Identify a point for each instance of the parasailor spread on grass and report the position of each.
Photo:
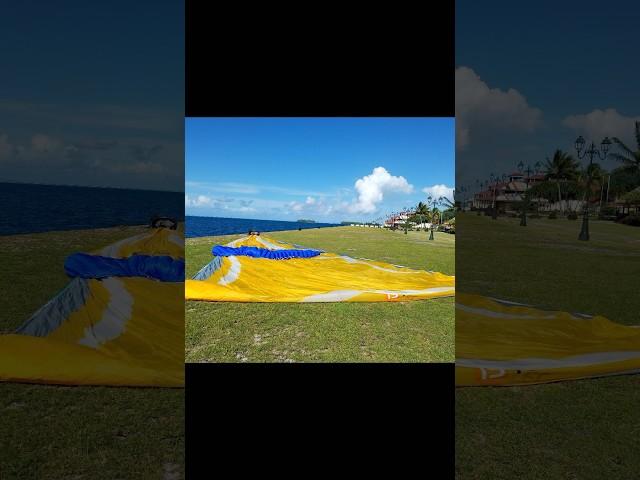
(116, 323)
(307, 277)
(503, 343)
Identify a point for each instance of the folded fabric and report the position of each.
(253, 269)
(222, 251)
(162, 267)
(505, 343)
(113, 324)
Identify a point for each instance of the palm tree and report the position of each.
(448, 204)
(422, 209)
(630, 159)
(592, 173)
(436, 215)
(561, 167)
(420, 212)
(449, 210)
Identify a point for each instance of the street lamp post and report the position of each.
(432, 203)
(525, 199)
(406, 220)
(494, 212)
(590, 152)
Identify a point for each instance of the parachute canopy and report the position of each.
(504, 343)
(120, 320)
(259, 269)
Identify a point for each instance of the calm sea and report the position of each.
(30, 208)
(206, 226)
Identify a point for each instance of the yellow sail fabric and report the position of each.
(324, 278)
(126, 331)
(502, 343)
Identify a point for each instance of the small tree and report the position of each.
(561, 168)
(434, 205)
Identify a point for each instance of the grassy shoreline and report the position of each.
(421, 331)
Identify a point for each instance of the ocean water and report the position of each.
(207, 226)
(30, 208)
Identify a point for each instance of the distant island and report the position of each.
(304, 220)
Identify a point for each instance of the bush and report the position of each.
(553, 216)
(535, 215)
(631, 220)
(608, 211)
(572, 216)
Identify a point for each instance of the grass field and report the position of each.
(587, 429)
(77, 432)
(420, 331)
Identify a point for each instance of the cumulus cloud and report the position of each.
(440, 190)
(226, 204)
(311, 206)
(372, 188)
(198, 201)
(598, 124)
(296, 206)
(138, 162)
(477, 104)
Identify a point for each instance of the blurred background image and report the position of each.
(547, 179)
(91, 188)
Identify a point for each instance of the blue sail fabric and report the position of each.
(159, 267)
(222, 251)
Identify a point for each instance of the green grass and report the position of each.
(77, 432)
(420, 331)
(588, 429)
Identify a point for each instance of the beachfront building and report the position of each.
(366, 225)
(509, 194)
(628, 204)
(397, 219)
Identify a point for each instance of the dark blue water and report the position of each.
(207, 226)
(26, 208)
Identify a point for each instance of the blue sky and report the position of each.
(326, 169)
(532, 77)
(93, 93)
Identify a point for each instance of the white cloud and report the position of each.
(598, 124)
(371, 189)
(250, 189)
(296, 207)
(223, 204)
(136, 162)
(311, 206)
(477, 104)
(437, 191)
(198, 201)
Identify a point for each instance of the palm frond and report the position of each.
(622, 158)
(623, 146)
